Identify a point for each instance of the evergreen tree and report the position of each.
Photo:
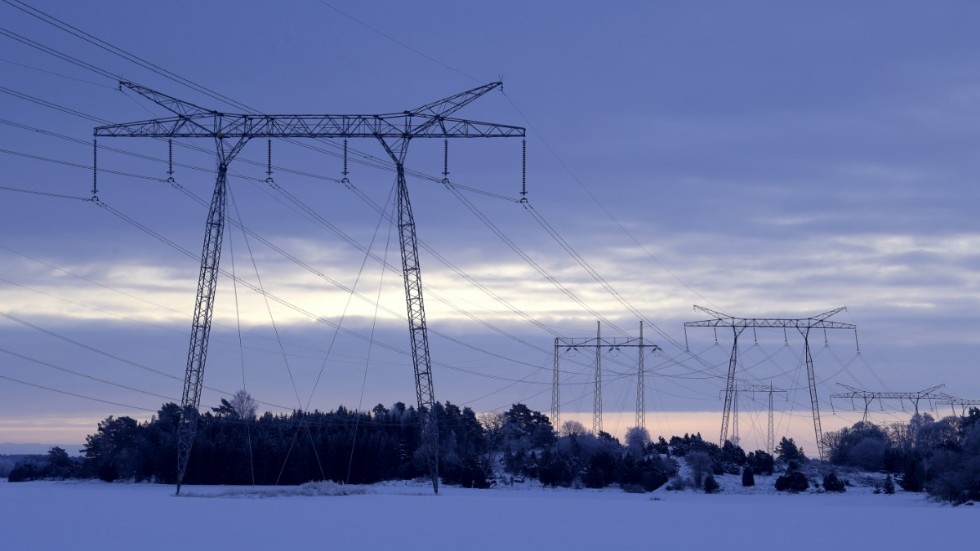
(787, 450)
(832, 483)
(711, 485)
(748, 476)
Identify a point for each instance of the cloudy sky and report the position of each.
(769, 159)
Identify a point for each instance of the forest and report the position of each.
(233, 446)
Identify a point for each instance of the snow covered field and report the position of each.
(143, 517)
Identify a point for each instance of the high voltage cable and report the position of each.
(75, 394)
(427, 177)
(274, 247)
(56, 53)
(43, 102)
(95, 41)
(128, 295)
(83, 375)
(268, 307)
(377, 307)
(330, 226)
(290, 305)
(513, 246)
(112, 356)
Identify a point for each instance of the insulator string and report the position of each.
(95, 169)
(523, 171)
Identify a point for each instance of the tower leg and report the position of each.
(771, 434)
(640, 384)
(417, 328)
(555, 391)
(814, 404)
(730, 386)
(597, 396)
(201, 326)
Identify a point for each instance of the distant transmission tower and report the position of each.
(803, 325)
(953, 401)
(756, 389)
(598, 343)
(870, 396)
(231, 132)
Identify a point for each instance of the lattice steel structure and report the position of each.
(868, 397)
(756, 389)
(231, 132)
(953, 401)
(598, 343)
(803, 325)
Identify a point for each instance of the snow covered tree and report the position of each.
(637, 439)
(700, 463)
(572, 428)
(244, 405)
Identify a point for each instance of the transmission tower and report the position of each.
(756, 389)
(870, 396)
(953, 401)
(598, 343)
(738, 325)
(231, 132)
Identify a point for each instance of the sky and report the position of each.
(764, 159)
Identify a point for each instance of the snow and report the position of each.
(144, 517)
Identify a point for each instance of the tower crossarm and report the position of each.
(815, 322)
(429, 121)
(392, 126)
(877, 395)
(176, 106)
(606, 342)
(947, 399)
(447, 106)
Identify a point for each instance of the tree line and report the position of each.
(234, 446)
(940, 456)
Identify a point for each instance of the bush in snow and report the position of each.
(748, 477)
(833, 484)
(889, 485)
(711, 485)
(792, 481)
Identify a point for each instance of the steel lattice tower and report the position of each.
(803, 325)
(231, 132)
(953, 401)
(610, 343)
(755, 389)
(870, 396)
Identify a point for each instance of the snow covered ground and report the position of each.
(143, 517)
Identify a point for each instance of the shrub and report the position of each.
(24, 472)
(889, 485)
(793, 481)
(711, 485)
(701, 465)
(748, 477)
(913, 480)
(761, 462)
(678, 484)
(833, 484)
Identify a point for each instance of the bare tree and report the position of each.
(493, 427)
(700, 464)
(572, 428)
(244, 405)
